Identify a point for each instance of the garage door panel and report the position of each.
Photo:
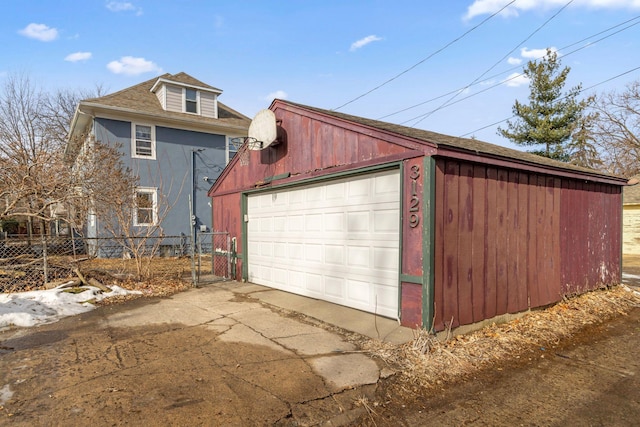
(337, 241)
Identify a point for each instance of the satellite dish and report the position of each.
(263, 129)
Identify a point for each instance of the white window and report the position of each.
(191, 101)
(143, 141)
(146, 207)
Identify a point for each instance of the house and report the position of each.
(174, 134)
(631, 220)
(430, 229)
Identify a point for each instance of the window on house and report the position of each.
(143, 141)
(190, 101)
(146, 206)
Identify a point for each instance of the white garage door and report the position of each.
(337, 241)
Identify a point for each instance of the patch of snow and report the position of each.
(5, 394)
(630, 276)
(47, 306)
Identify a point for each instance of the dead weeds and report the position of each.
(431, 360)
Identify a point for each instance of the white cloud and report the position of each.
(78, 56)
(514, 61)
(40, 32)
(122, 6)
(516, 80)
(363, 42)
(535, 53)
(131, 66)
(487, 7)
(279, 94)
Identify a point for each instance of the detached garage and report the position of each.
(410, 224)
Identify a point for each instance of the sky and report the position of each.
(446, 66)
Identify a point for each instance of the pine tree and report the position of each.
(551, 118)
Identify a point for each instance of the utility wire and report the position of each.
(425, 59)
(424, 116)
(559, 99)
(518, 67)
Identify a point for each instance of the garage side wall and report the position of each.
(507, 241)
(591, 229)
(497, 246)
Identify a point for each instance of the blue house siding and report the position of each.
(186, 163)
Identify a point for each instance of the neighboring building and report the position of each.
(175, 135)
(631, 220)
(415, 225)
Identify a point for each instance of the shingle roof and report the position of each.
(139, 98)
(457, 143)
(631, 194)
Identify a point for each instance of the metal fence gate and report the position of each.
(213, 258)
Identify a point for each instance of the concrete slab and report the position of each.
(168, 311)
(316, 344)
(242, 333)
(346, 371)
(272, 325)
(367, 324)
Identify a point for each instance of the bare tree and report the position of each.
(34, 179)
(617, 130)
(33, 176)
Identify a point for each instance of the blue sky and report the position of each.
(330, 53)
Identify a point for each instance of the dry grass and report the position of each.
(428, 360)
(167, 276)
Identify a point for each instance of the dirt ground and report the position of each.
(589, 380)
(76, 373)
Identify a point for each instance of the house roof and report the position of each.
(631, 194)
(139, 101)
(457, 143)
(139, 98)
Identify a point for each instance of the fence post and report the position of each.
(44, 259)
(228, 256)
(193, 244)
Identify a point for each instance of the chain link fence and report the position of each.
(214, 257)
(32, 262)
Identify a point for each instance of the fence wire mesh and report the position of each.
(32, 262)
(214, 257)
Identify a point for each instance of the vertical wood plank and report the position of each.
(479, 246)
(465, 242)
(523, 224)
(439, 281)
(512, 241)
(555, 230)
(502, 250)
(541, 243)
(533, 292)
(490, 295)
(450, 294)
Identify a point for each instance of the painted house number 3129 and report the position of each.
(414, 202)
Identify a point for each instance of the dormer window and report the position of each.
(189, 98)
(191, 101)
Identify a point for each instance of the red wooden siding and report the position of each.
(508, 240)
(412, 241)
(591, 225)
(311, 145)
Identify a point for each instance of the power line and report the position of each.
(518, 67)
(559, 99)
(424, 116)
(425, 59)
